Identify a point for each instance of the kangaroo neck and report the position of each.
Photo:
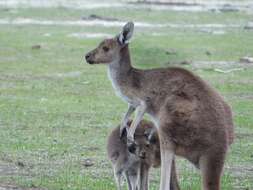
(120, 74)
(123, 64)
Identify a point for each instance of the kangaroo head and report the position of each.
(108, 50)
(147, 145)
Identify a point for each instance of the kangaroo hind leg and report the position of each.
(167, 156)
(211, 167)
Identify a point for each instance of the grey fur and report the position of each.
(192, 118)
(134, 166)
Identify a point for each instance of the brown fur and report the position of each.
(193, 120)
(136, 165)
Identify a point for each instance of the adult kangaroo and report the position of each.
(192, 119)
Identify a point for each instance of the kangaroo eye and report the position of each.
(106, 49)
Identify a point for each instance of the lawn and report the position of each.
(56, 111)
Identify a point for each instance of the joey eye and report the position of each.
(106, 49)
(147, 145)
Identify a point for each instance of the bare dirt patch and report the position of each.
(245, 135)
(184, 5)
(97, 17)
(13, 187)
(77, 4)
(195, 6)
(241, 171)
(28, 77)
(222, 65)
(8, 169)
(90, 35)
(11, 169)
(106, 23)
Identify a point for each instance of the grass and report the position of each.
(56, 111)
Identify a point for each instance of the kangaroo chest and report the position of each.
(120, 84)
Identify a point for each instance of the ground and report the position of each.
(56, 111)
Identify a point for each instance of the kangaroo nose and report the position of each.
(89, 58)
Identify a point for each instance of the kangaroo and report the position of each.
(192, 119)
(135, 165)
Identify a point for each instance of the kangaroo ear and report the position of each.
(126, 34)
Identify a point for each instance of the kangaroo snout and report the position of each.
(88, 58)
(142, 155)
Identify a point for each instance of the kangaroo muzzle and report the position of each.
(89, 57)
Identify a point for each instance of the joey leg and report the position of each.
(143, 177)
(129, 183)
(118, 179)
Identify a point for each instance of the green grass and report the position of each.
(51, 120)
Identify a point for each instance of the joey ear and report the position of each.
(124, 133)
(126, 34)
(123, 136)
